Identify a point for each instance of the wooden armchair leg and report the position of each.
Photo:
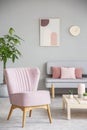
(49, 113)
(30, 113)
(10, 112)
(24, 117)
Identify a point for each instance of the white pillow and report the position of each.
(67, 73)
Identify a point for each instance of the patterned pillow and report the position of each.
(68, 73)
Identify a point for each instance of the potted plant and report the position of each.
(9, 48)
(71, 94)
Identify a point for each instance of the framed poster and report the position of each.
(50, 32)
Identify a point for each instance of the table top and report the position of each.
(75, 100)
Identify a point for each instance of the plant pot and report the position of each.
(3, 90)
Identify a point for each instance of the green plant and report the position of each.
(8, 48)
(84, 94)
(70, 91)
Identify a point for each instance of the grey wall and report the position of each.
(24, 15)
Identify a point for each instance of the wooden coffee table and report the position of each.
(75, 103)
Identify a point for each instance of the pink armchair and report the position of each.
(22, 86)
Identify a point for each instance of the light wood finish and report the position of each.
(49, 113)
(30, 113)
(24, 116)
(63, 103)
(29, 109)
(73, 104)
(53, 90)
(68, 112)
(11, 109)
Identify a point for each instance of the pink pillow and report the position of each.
(68, 73)
(56, 72)
(78, 73)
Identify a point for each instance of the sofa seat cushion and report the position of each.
(51, 80)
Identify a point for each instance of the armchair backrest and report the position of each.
(22, 79)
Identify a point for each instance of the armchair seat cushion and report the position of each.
(31, 98)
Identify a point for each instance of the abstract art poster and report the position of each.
(50, 32)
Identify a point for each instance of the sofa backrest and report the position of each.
(74, 63)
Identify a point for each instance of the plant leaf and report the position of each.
(11, 31)
(2, 40)
(18, 37)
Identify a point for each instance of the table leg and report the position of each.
(63, 103)
(68, 112)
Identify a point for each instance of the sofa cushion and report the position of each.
(78, 73)
(56, 72)
(67, 73)
(51, 80)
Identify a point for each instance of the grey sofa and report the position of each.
(65, 83)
